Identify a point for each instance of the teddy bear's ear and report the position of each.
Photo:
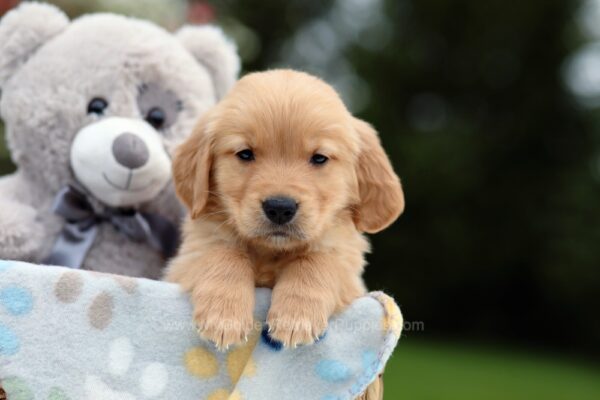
(209, 45)
(23, 30)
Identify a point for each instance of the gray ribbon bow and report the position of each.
(81, 228)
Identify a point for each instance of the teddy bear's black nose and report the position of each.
(280, 210)
(130, 151)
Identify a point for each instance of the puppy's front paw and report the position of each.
(223, 320)
(297, 322)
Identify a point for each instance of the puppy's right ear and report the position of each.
(191, 168)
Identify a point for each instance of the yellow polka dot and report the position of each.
(201, 363)
(219, 394)
(392, 320)
(239, 360)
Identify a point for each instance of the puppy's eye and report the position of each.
(318, 159)
(97, 106)
(245, 155)
(156, 117)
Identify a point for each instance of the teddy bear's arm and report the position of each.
(21, 232)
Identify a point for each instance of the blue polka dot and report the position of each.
(275, 345)
(4, 265)
(16, 300)
(333, 371)
(9, 343)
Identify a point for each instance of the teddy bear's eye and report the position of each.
(97, 106)
(156, 117)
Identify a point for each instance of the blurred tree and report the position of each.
(6, 5)
(200, 12)
(169, 13)
(501, 230)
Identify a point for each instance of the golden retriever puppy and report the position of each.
(281, 182)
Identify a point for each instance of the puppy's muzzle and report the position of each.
(280, 210)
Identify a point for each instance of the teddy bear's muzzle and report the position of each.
(121, 161)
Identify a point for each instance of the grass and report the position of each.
(421, 371)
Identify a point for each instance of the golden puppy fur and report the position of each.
(279, 120)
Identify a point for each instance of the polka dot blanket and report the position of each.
(67, 334)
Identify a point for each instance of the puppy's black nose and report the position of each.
(130, 151)
(280, 210)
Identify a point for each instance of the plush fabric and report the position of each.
(50, 71)
(67, 334)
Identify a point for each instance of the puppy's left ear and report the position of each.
(380, 192)
(191, 169)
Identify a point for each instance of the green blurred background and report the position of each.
(489, 112)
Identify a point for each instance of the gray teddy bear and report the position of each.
(93, 108)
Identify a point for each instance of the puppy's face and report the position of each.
(284, 165)
(283, 159)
